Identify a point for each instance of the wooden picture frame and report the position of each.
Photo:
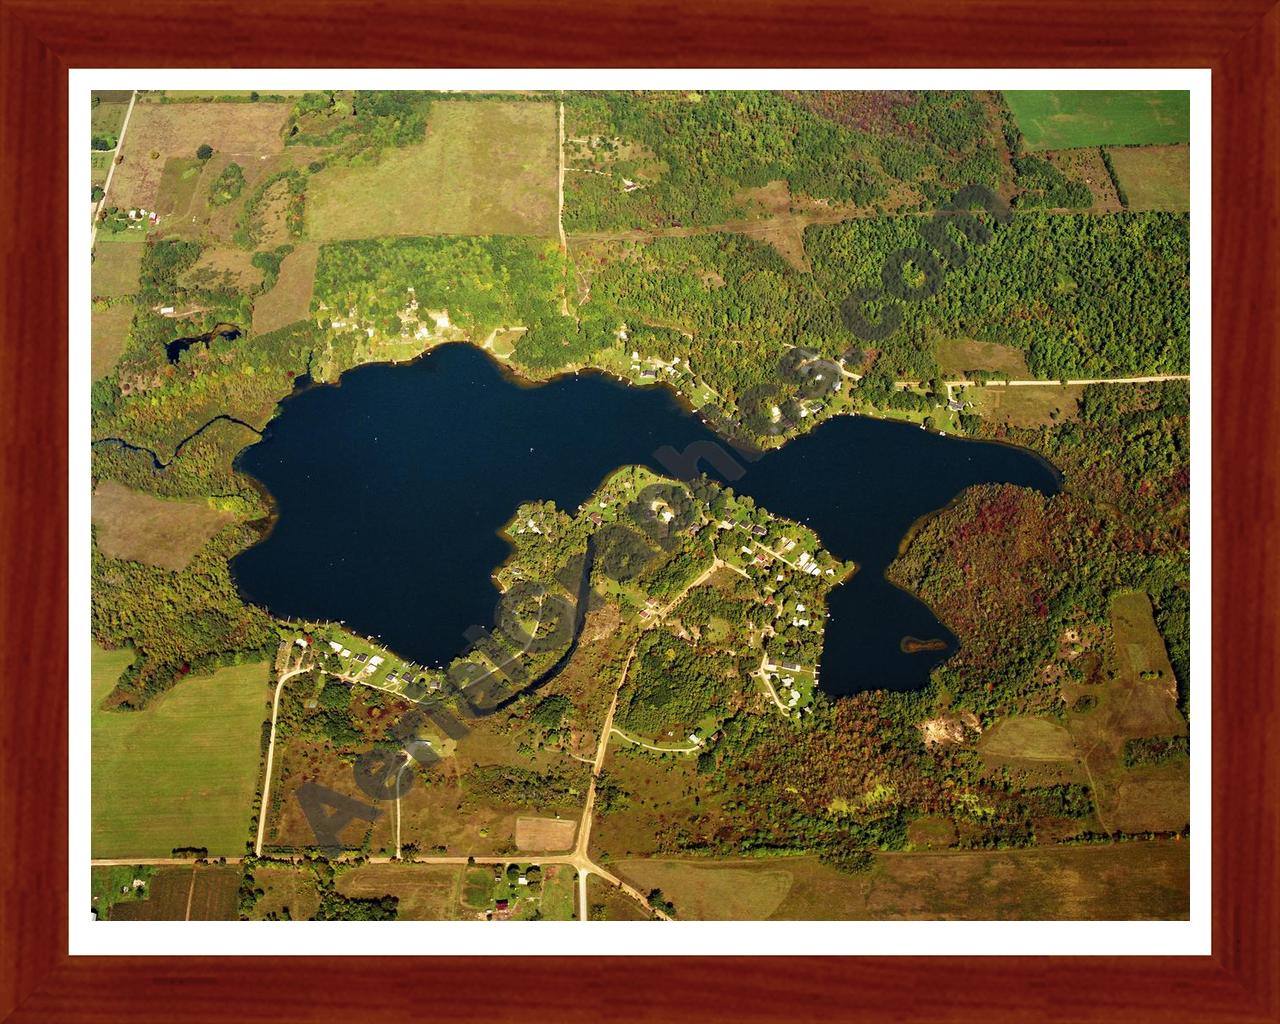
(41, 39)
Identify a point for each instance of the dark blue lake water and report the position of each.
(390, 489)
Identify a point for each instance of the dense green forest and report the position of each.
(1083, 296)
(690, 156)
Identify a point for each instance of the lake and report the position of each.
(391, 487)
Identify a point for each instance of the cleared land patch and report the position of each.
(287, 892)
(178, 182)
(427, 892)
(289, 299)
(223, 268)
(178, 130)
(181, 773)
(115, 269)
(1086, 165)
(1039, 405)
(1120, 881)
(1139, 700)
(1034, 739)
(1154, 177)
(108, 335)
(545, 834)
(485, 168)
(960, 355)
(713, 892)
(1067, 119)
(156, 531)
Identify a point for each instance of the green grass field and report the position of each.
(485, 168)
(1154, 177)
(181, 773)
(1067, 119)
(108, 336)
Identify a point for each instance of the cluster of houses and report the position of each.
(144, 215)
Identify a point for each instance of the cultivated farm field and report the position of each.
(181, 773)
(1067, 119)
(485, 168)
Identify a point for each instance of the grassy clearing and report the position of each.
(1041, 405)
(221, 267)
(485, 168)
(1086, 165)
(427, 892)
(250, 130)
(713, 892)
(1154, 177)
(181, 773)
(1035, 739)
(289, 299)
(445, 812)
(115, 269)
(1067, 119)
(1138, 699)
(957, 356)
(99, 165)
(1122, 881)
(107, 117)
(607, 903)
(140, 527)
(559, 893)
(108, 336)
(178, 183)
(288, 893)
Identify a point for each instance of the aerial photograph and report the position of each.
(639, 506)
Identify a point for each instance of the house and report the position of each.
(693, 738)
(166, 310)
(376, 660)
(500, 905)
(759, 531)
(648, 374)
(362, 657)
(955, 405)
(335, 646)
(345, 653)
(596, 518)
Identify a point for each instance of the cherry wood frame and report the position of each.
(41, 39)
